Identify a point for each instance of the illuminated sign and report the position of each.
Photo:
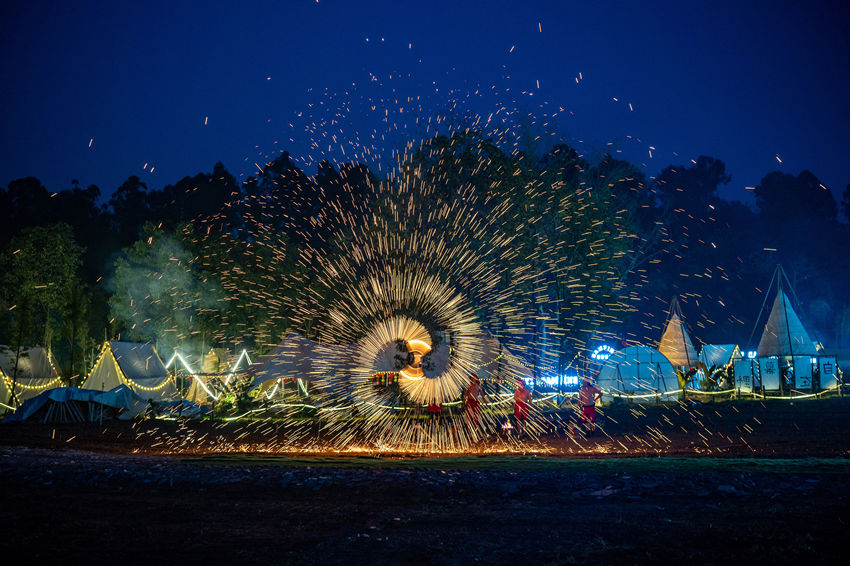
(565, 380)
(602, 353)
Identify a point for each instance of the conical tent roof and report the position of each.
(676, 344)
(36, 371)
(784, 334)
(134, 364)
(199, 391)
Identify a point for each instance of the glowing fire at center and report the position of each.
(428, 372)
(416, 350)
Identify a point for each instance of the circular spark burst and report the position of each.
(465, 257)
(410, 292)
(435, 352)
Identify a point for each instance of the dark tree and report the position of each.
(40, 289)
(25, 203)
(693, 187)
(130, 210)
(193, 198)
(782, 197)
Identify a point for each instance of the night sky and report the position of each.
(98, 91)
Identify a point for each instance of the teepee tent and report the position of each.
(200, 391)
(784, 334)
(136, 365)
(638, 372)
(675, 343)
(36, 372)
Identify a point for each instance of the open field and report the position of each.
(717, 483)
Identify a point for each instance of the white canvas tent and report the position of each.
(36, 373)
(136, 365)
(719, 355)
(5, 396)
(641, 373)
(676, 344)
(296, 357)
(784, 334)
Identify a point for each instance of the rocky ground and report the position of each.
(714, 484)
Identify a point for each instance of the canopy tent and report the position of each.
(784, 334)
(719, 355)
(219, 371)
(136, 365)
(219, 368)
(296, 357)
(497, 362)
(36, 373)
(70, 404)
(675, 343)
(638, 372)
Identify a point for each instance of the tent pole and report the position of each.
(763, 303)
(787, 325)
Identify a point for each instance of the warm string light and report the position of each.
(19, 384)
(107, 349)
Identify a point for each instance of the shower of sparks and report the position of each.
(503, 265)
(429, 256)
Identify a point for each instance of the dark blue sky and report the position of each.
(741, 81)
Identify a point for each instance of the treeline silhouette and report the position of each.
(62, 248)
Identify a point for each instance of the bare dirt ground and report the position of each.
(713, 484)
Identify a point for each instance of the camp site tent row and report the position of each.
(136, 365)
(787, 358)
(35, 373)
(638, 372)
